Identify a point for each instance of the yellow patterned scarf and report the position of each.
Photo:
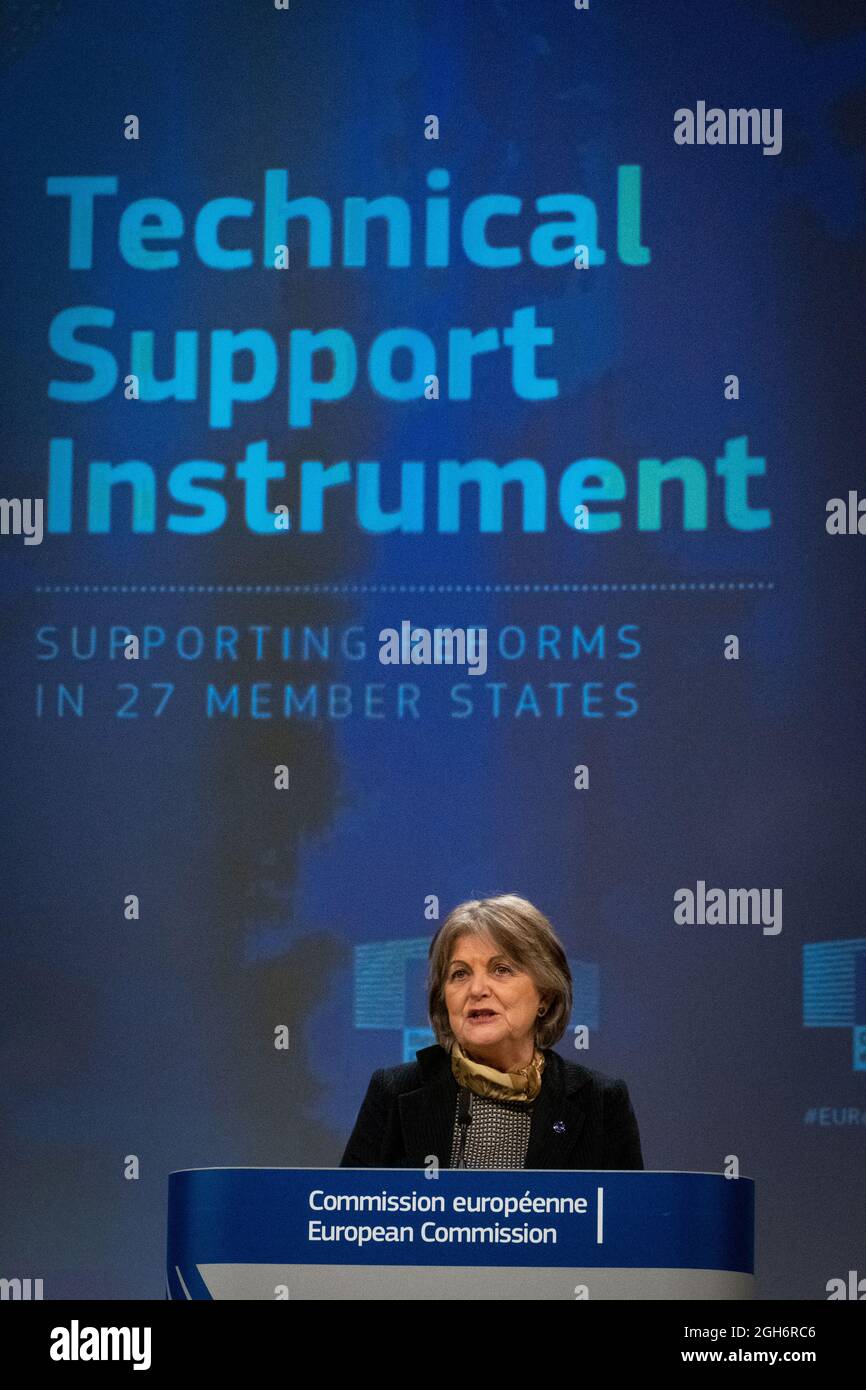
(497, 1085)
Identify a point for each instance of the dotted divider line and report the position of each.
(725, 586)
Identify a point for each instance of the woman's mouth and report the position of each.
(480, 1015)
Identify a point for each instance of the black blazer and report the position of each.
(580, 1118)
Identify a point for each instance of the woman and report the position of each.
(492, 1093)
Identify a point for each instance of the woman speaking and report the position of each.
(491, 1093)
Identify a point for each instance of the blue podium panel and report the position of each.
(382, 1233)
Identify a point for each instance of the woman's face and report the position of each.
(492, 1003)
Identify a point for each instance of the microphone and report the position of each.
(464, 1120)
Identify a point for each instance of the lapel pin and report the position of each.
(559, 1127)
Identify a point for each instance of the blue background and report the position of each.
(155, 1038)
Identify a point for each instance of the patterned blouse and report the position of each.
(498, 1136)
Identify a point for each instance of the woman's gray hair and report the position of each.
(526, 937)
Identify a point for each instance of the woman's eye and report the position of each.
(506, 968)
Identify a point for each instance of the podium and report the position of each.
(397, 1233)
